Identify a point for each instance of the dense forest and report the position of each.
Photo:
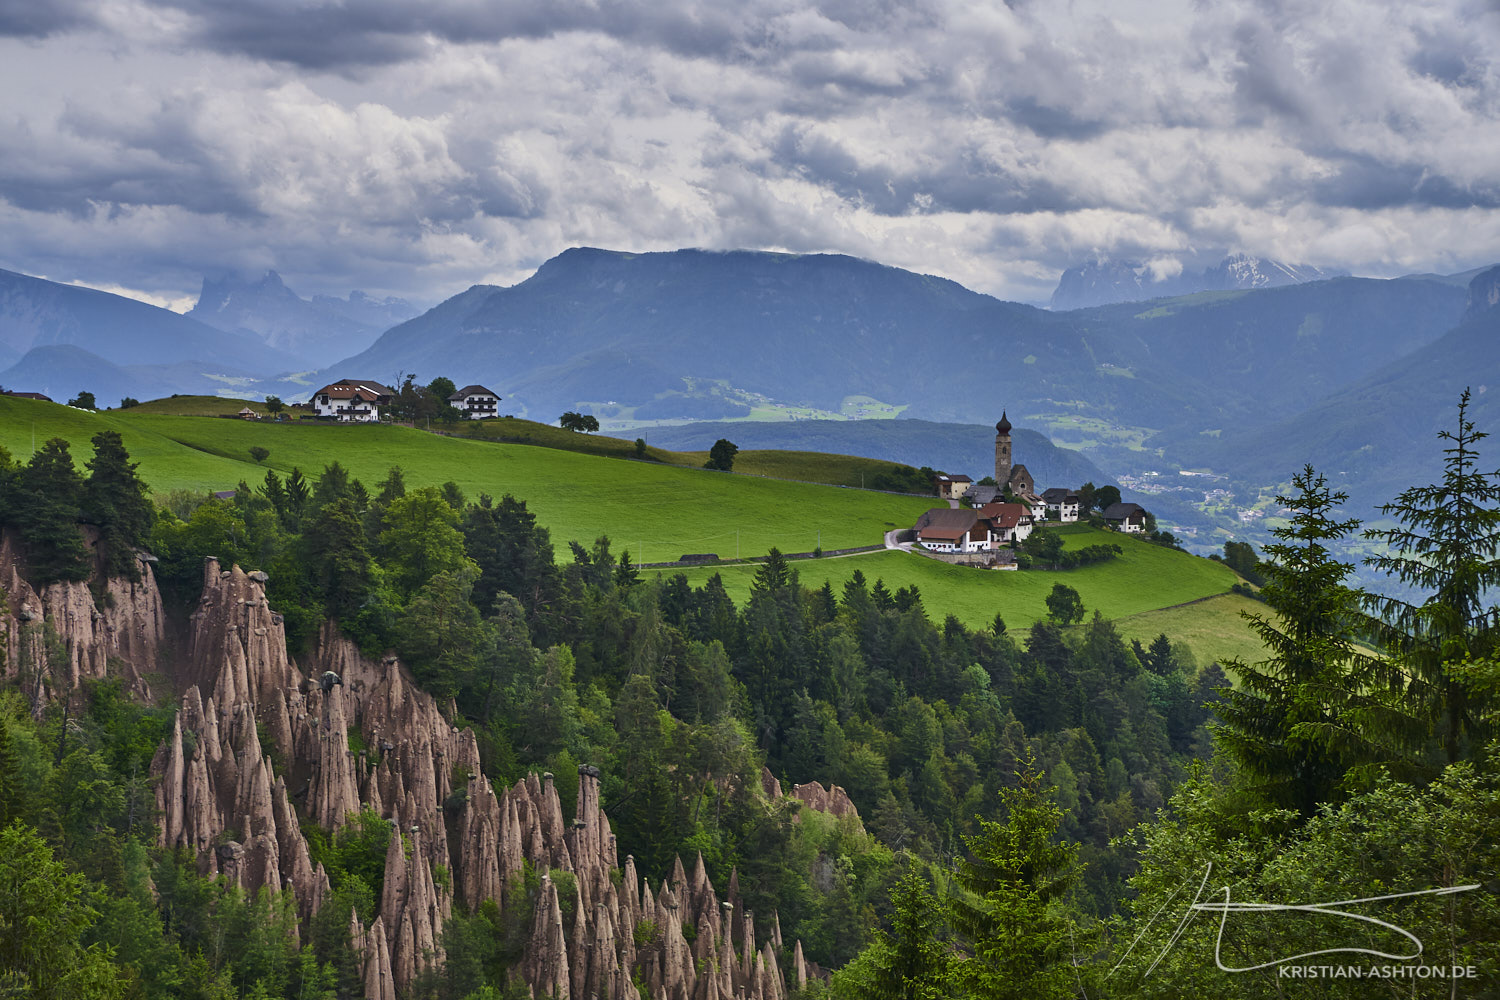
(1037, 815)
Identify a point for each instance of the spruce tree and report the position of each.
(1282, 725)
(117, 501)
(1445, 546)
(1010, 909)
(47, 506)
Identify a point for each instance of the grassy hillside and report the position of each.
(1145, 578)
(658, 512)
(199, 406)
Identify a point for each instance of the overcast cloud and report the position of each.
(417, 148)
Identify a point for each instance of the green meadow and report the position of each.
(1144, 579)
(658, 512)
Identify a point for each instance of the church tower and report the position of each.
(1002, 451)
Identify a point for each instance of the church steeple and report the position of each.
(1002, 451)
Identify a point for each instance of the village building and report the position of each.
(475, 402)
(951, 487)
(1127, 517)
(1062, 504)
(247, 414)
(1008, 522)
(953, 529)
(352, 400)
(26, 395)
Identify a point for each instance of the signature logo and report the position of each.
(1227, 905)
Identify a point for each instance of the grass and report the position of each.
(1144, 579)
(1213, 628)
(200, 406)
(660, 512)
(657, 512)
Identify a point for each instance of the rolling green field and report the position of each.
(1144, 579)
(660, 512)
(1213, 628)
(657, 512)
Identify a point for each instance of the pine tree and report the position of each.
(118, 502)
(1282, 725)
(1446, 546)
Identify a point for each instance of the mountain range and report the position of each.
(317, 331)
(1102, 281)
(1357, 374)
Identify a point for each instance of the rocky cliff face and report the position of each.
(1484, 293)
(121, 634)
(220, 794)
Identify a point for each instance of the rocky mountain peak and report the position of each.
(1484, 293)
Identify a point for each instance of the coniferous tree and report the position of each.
(1019, 940)
(1445, 545)
(47, 502)
(339, 559)
(1282, 724)
(118, 502)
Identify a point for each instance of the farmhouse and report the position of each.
(474, 402)
(1008, 522)
(1062, 504)
(953, 529)
(26, 395)
(1127, 517)
(352, 400)
(951, 487)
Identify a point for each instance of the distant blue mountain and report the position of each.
(317, 331)
(71, 338)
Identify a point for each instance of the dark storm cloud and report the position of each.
(466, 140)
(1366, 183)
(30, 19)
(388, 31)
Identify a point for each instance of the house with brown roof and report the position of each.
(950, 529)
(475, 402)
(26, 395)
(352, 400)
(1008, 522)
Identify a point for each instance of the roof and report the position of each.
(961, 479)
(1004, 515)
(1003, 427)
(27, 395)
(952, 534)
(1120, 511)
(1020, 470)
(473, 390)
(982, 495)
(954, 518)
(338, 390)
(368, 383)
(1058, 494)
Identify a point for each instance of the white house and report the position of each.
(1008, 522)
(946, 529)
(1062, 504)
(352, 400)
(475, 402)
(1127, 517)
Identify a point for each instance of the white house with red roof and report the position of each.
(352, 400)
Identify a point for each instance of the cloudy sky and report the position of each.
(415, 148)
